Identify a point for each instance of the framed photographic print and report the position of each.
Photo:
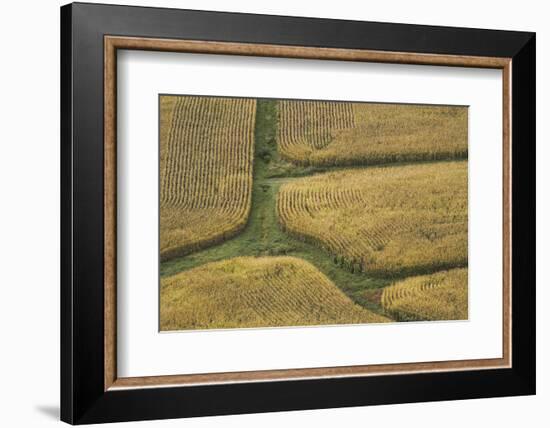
(265, 213)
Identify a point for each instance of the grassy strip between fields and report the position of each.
(262, 235)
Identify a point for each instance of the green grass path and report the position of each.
(262, 235)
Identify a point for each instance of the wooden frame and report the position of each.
(112, 43)
(513, 53)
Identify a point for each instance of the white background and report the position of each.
(142, 351)
(29, 219)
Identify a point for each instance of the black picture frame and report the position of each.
(83, 398)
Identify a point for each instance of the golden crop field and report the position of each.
(256, 292)
(279, 213)
(324, 133)
(206, 159)
(440, 296)
(385, 221)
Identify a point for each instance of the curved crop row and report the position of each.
(256, 292)
(389, 221)
(206, 155)
(307, 126)
(324, 133)
(440, 296)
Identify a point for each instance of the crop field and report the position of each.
(440, 296)
(206, 153)
(390, 221)
(325, 133)
(256, 292)
(296, 213)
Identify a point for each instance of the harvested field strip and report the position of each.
(206, 171)
(440, 296)
(256, 292)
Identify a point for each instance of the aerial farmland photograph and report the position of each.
(293, 213)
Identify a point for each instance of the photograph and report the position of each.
(294, 213)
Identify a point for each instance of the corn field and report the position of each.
(256, 292)
(389, 221)
(323, 133)
(294, 213)
(440, 296)
(206, 158)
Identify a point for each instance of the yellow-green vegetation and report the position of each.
(274, 213)
(256, 292)
(206, 153)
(385, 221)
(324, 133)
(440, 296)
